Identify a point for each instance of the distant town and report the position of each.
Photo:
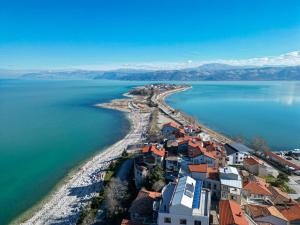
(181, 172)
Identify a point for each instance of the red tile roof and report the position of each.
(257, 188)
(171, 124)
(153, 148)
(186, 139)
(265, 210)
(143, 203)
(283, 160)
(209, 154)
(194, 144)
(198, 168)
(252, 161)
(277, 192)
(291, 213)
(130, 222)
(230, 212)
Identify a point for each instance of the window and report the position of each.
(197, 222)
(167, 220)
(182, 221)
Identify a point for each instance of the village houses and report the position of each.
(199, 170)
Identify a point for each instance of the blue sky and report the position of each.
(62, 34)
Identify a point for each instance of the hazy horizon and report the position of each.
(102, 35)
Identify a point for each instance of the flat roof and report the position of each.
(231, 183)
(228, 170)
(237, 147)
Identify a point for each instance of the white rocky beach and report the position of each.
(64, 205)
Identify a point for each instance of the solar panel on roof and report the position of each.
(197, 195)
(190, 187)
(188, 193)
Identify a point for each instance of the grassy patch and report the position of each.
(270, 179)
(108, 175)
(280, 182)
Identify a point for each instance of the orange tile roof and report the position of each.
(198, 168)
(277, 192)
(265, 210)
(171, 124)
(194, 144)
(130, 222)
(145, 149)
(143, 203)
(251, 161)
(230, 212)
(257, 188)
(283, 160)
(181, 130)
(209, 154)
(186, 139)
(153, 148)
(160, 152)
(291, 213)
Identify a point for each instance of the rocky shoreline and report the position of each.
(64, 205)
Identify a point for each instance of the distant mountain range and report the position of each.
(206, 72)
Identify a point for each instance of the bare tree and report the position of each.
(115, 194)
(239, 139)
(259, 144)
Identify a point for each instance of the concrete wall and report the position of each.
(139, 176)
(175, 219)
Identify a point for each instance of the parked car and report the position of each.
(297, 172)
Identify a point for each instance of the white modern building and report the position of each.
(184, 203)
(204, 137)
(236, 153)
(231, 183)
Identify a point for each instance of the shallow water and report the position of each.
(47, 128)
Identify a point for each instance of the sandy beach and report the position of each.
(64, 205)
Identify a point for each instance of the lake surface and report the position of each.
(267, 109)
(48, 128)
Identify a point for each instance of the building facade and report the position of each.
(184, 203)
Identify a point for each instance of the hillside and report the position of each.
(208, 72)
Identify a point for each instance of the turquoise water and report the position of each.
(47, 128)
(267, 109)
